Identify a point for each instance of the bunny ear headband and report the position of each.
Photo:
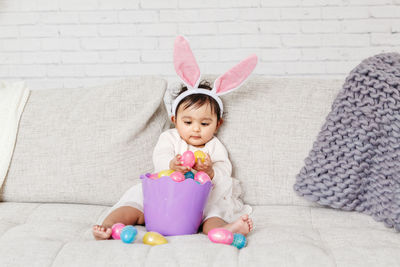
(188, 71)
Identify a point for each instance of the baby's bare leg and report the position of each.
(125, 214)
(213, 222)
(243, 225)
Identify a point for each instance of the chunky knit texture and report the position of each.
(355, 162)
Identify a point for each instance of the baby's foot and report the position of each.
(101, 233)
(243, 225)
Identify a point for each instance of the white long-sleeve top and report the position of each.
(224, 200)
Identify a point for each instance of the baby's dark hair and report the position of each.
(198, 100)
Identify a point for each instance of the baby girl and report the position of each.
(197, 114)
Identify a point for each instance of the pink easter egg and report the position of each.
(153, 176)
(188, 159)
(177, 176)
(220, 235)
(116, 230)
(202, 177)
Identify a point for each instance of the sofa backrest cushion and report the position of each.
(86, 145)
(270, 125)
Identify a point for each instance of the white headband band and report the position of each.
(197, 91)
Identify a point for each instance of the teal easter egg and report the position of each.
(189, 175)
(239, 241)
(128, 234)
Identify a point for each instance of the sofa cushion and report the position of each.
(269, 128)
(86, 145)
(60, 235)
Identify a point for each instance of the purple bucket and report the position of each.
(173, 208)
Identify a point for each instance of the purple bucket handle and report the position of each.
(173, 208)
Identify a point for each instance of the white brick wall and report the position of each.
(69, 43)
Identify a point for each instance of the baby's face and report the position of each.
(196, 125)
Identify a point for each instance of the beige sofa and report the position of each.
(78, 150)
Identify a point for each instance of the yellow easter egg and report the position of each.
(165, 173)
(200, 155)
(154, 238)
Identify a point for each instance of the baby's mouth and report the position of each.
(196, 137)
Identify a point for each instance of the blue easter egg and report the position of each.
(128, 234)
(189, 175)
(239, 241)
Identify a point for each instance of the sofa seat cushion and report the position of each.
(33, 234)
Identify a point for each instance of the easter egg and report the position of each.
(202, 177)
(154, 238)
(128, 234)
(189, 175)
(177, 176)
(239, 241)
(153, 176)
(199, 155)
(188, 159)
(116, 230)
(220, 235)
(165, 173)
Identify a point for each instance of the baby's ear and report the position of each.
(173, 119)
(219, 123)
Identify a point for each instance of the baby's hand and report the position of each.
(206, 166)
(176, 165)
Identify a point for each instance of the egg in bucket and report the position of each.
(173, 207)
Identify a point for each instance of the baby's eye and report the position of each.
(205, 124)
(188, 122)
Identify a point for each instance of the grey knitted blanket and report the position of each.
(355, 162)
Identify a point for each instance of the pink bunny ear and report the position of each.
(185, 63)
(235, 77)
